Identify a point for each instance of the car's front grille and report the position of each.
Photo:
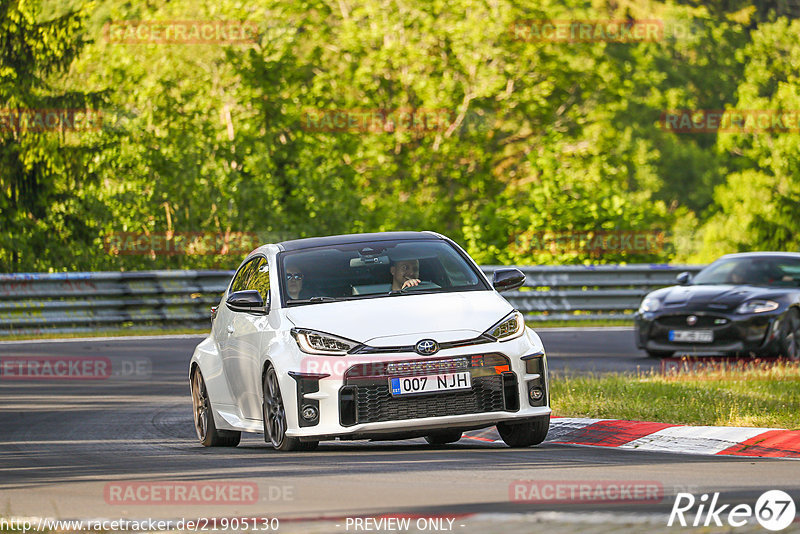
(376, 403)
(368, 399)
(703, 321)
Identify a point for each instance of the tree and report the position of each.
(44, 152)
(759, 204)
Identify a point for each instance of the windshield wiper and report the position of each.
(409, 291)
(315, 300)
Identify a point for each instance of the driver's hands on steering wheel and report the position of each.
(410, 282)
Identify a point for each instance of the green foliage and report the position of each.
(759, 204)
(40, 166)
(532, 139)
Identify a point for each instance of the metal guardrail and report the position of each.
(589, 292)
(37, 303)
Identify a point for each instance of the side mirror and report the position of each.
(684, 278)
(507, 279)
(248, 301)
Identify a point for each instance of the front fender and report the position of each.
(282, 354)
(208, 359)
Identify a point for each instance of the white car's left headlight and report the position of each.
(757, 306)
(313, 342)
(510, 327)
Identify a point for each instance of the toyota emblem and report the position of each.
(427, 347)
(691, 320)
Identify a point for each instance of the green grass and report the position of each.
(108, 333)
(760, 395)
(539, 325)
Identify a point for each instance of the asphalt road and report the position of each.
(65, 447)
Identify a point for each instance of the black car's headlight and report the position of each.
(313, 342)
(649, 304)
(757, 306)
(512, 326)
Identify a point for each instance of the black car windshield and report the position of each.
(371, 269)
(755, 271)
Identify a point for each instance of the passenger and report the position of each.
(294, 282)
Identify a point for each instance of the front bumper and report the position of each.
(732, 332)
(352, 399)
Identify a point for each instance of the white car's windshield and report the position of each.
(370, 269)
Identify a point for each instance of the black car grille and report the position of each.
(703, 321)
(367, 399)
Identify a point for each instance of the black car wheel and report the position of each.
(274, 414)
(204, 425)
(524, 434)
(789, 340)
(443, 437)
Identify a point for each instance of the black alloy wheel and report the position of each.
(274, 413)
(204, 425)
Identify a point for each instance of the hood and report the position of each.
(387, 321)
(722, 297)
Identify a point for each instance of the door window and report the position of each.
(260, 279)
(246, 273)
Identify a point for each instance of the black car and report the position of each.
(741, 304)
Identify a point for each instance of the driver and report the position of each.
(743, 274)
(405, 273)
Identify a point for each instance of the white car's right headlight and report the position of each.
(649, 304)
(313, 342)
(511, 326)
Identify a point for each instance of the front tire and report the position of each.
(204, 425)
(524, 434)
(274, 415)
(789, 341)
(443, 437)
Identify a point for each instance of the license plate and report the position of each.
(691, 336)
(428, 383)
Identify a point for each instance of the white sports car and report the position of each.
(372, 336)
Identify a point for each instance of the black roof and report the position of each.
(794, 255)
(312, 242)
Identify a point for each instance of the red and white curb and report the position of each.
(662, 437)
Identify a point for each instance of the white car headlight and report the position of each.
(510, 327)
(649, 304)
(313, 342)
(757, 306)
